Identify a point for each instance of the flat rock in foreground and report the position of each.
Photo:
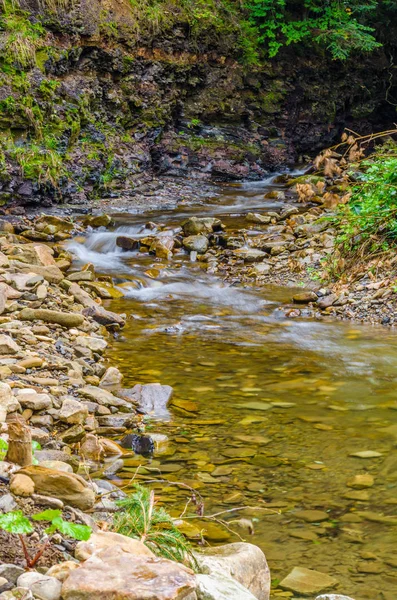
(307, 582)
(112, 574)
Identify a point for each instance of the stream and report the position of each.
(267, 412)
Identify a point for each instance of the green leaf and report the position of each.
(47, 515)
(73, 530)
(35, 446)
(15, 522)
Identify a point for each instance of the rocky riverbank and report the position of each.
(59, 402)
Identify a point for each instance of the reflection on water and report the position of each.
(266, 413)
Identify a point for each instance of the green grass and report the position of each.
(139, 518)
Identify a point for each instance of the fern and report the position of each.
(142, 520)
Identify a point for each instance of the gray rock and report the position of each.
(152, 398)
(43, 587)
(16, 594)
(8, 346)
(196, 243)
(73, 411)
(7, 503)
(11, 572)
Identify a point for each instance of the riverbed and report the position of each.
(280, 415)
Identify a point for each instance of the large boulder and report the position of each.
(105, 540)
(245, 563)
(103, 316)
(68, 487)
(152, 398)
(112, 574)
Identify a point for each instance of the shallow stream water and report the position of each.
(267, 412)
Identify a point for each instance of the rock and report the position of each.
(73, 435)
(91, 449)
(127, 243)
(257, 218)
(21, 485)
(245, 563)
(98, 220)
(140, 444)
(11, 572)
(196, 243)
(218, 587)
(92, 343)
(361, 481)
(153, 398)
(42, 455)
(249, 255)
(104, 317)
(52, 274)
(307, 582)
(52, 316)
(72, 411)
(7, 503)
(366, 454)
(58, 465)
(114, 574)
(68, 487)
(305, 297)
(8, 402)
(8, 346)
(312, 516)
(327, 301)
(111, 377)
(62, 570)
(42, 586)
(196, 225)
(29, 398)
(17, 593)
(333, 597)
(101, 396)
(104, 540)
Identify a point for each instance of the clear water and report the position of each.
(266, 412)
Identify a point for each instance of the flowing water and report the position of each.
(267, 412)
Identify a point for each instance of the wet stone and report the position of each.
(307, 582)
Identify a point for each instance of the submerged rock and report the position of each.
(152, 398)
(307, 582)
(140, 444)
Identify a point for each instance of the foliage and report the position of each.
(22, 36)
(16, 523)
(142, 520)
(368, 222)
(336, 24)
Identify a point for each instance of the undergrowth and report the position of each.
(367, 223)
(141, 519)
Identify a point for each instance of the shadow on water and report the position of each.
(267, 412)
